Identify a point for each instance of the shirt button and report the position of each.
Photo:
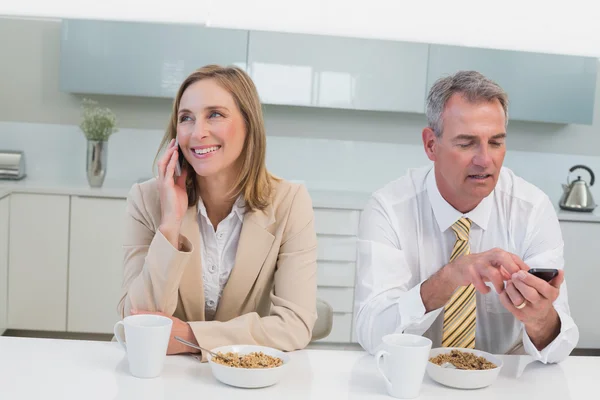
(210, 303)
(220, 235)
(212, 268)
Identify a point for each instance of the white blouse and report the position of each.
(218, 251)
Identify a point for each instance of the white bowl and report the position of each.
(249, 377)
(460, 378)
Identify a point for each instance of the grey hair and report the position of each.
(475, 88)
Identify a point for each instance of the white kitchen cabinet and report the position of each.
(541, 87)
(38, 260)
(141, 58)
(336, 248)
(335, 274)
(338, 72)
(336, 222)
(4, 207)
(95, 263)
(582, 274)
(341, 330)
(336, 235)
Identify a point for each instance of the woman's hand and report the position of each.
(179, 328)
(173, 195)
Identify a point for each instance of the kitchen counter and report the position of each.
(322, 198)
(69, 369)
(114, 189)
(341, 199)
(564, 215)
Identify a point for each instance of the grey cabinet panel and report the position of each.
(141, 59)
(541, 87)
(338, 72)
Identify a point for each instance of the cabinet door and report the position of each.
(95, 263)
(139, 58)
(4, 203)
(541, 87)
(582, 274)
(38, 259)
(338, 72)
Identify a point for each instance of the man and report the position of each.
(444, 250)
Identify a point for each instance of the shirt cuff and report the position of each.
(412, 311)
(546, 354)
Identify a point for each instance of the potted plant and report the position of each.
(97, 125)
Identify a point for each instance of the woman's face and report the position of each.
(210, 129)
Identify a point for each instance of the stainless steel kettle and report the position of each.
(576, 195)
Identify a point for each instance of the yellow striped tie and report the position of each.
(459, 312)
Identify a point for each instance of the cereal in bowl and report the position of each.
(463, 360)
(250, 360)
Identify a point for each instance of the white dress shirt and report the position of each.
(405, 237)
(218, 251)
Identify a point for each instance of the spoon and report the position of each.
(180, 340)
(448, 365)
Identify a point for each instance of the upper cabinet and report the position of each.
(541, 87)
(338, 72)
(141, 59)
(152, 59)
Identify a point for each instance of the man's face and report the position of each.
(469, 154)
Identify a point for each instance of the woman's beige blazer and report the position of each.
(270, 297)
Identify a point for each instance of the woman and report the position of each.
(226, 250)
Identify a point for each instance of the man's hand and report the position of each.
(179, 328)
(530, 299)
(495, 266)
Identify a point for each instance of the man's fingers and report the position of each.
(479, 285)
(558, 279)
(511, 263)
(507, 303)
(520, 263)
(528, 292)
(542, 287)
(494, 276)
(514, 295)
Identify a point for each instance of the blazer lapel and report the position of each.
(253, 247)
(191, 287)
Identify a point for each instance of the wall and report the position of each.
(338, 148)
(534, 25)
(29, 81)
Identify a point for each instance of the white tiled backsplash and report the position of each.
(59, 151)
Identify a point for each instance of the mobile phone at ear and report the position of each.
(179, 159)
(546, 274)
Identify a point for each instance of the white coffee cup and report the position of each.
(402, 361)
(147, 342)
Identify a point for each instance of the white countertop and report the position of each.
(322, 198)
(344, 199)
(64, 369)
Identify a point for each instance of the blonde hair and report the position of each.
(254, 181)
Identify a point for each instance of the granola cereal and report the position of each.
(463, 360)
(250, 360)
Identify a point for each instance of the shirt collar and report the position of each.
(446, 215)
(239, 207)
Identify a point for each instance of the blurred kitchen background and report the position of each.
(344, 113)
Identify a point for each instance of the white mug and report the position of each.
(147, 342)
(404, 359)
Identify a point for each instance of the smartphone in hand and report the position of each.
(546, 274)
(179, 159)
